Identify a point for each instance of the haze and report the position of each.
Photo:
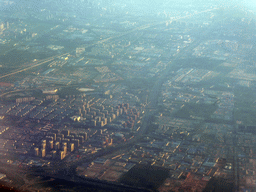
(107, 95)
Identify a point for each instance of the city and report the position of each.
(98, 96)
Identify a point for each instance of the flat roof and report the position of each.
(85, 89)
(2, 176)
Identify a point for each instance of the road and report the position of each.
(152, 97)
(39, 63)
(150, 109)
(32, 66)
(235, 163)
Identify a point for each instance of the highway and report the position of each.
(32, 66)
(57, 169)
(149, 110)
(152, 97)
(39, 63)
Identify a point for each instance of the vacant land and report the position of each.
(245, 106)
(191, 110)
(145, 176)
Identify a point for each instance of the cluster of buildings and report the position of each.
(96, 115)
(245, 152)
(104, 50)
(186, 157)
(15, 142)
(221, 49)
(104, 113)
(193, 75)
(167, 125)
(4, 25)
(242, 74)
(57, 145)
(104, 125)
(107, 77)
(3, 129)
(175, 96)
(36, 111)
(225, 106)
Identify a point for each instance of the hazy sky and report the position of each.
(144, 6)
